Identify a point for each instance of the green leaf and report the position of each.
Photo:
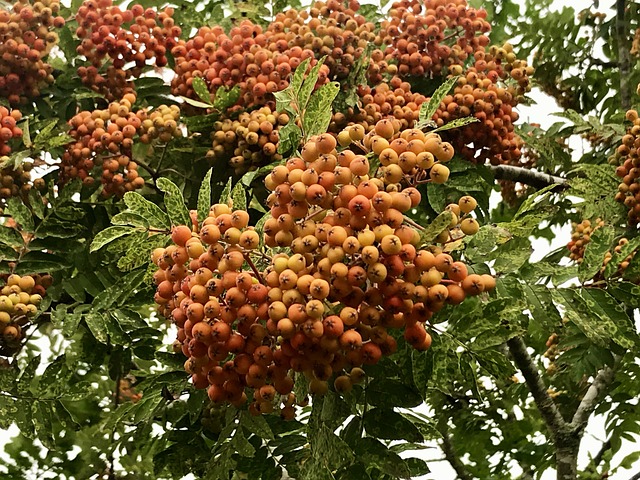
(97, 325)
(108, 235)
(290, 136)
(373, 453)
(131, 219)
(200, 87)
(427, 109)
(317, 116)
(256, 425)
(148, 210)
(226, 98)
(204, 196)
(11, 237)
(511, 255)
(20, 213)
(35, 201)
(457, 123)
(174, 201)
(610, 311)
(618, 257)
(239, 197)
(601, 242)
(436, 227)
(578, 312)
(196, 103)
(303, 95)
(386, 392)
(241, 444)
(225, 196)
(387, 424)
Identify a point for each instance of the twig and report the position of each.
(526, 176)
(623, 54)
(545, 404)
(412, 223)
(590, 400)
(253, 268)
(452, 457)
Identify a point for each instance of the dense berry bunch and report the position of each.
(581, 236)
(14, 182)
(25, 40)
(628, 158)
(116, 37)
(489, 90)
(350, 269)
(425, 38)
(104, 139)
(385, 100)
(249, 140)
(8, 128)
(20, 298)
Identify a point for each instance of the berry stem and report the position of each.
(253, 268)
(411, 222)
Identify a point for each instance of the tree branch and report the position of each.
(525, 175)
(600, 455)
(590, 400)
(452, 457)
(536, 385)
(623, 54)
(636, 476)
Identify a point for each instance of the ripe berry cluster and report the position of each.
(8, 128)
(489, 90)
(424, 38)
(25, 40)
(628, 158)
(14, 182)
(20, 298)
(116, 37)
(580, 238)
(244, 58)
(350, 268)
(249, 140)
(104, 138)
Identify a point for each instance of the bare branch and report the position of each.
(452, 457)
(536, 385)
(526, 176)
(636, 476)
(591, 398)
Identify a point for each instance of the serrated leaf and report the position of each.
(130, 218)
(457, 123)
(200, 87)
(390, 425)
(204, 196)
(290, 136)
(239, 197)
(108, 235)
(436, 227)
(386, 392)
(427, 109)
(601, 242)
(196, 103)
(174, 201)
(256, 425)
(35, 201)
(317, 115)
(96, 323)
(148, 210)
(225, 196)
(20, 213)
(577, 311)
(226, 98)
(241, 444)
(303, 95)
(11, 237)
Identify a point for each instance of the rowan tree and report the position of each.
(295, 241)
